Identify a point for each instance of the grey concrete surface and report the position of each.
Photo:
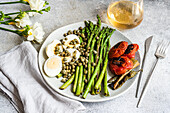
(156, 22)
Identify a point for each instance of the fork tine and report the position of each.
(160, 46)
(164, 47)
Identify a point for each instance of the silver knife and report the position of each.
(147, 45)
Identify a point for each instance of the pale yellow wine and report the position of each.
(124, 14)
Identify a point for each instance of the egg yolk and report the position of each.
(53, 63)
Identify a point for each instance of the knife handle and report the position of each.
(140, 75)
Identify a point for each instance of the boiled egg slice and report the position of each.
(54, 48)
(72, 41)
(53, 66)
(74, 54)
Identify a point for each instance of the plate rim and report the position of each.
(74, 97)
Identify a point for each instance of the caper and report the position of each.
(68, 71)
(61, 40)
(69, 67)
(65, 34)
(79, 34)
(69, 74)
(65, 76)
(67, 63)
(74, 52)
(82, 53)
(82, 35)
(72, 60)
(74, 57)
(68, 47)
(80, 28)
(64, 59)
(86, 54)
(66, 38)
(68, 33)
(73, 66)
(63, 80)
(71, 43)
(73, 70)
(77, 61)
(74, 32)
(85, 71)
(79, 64)
(63, 65)
(63, 71)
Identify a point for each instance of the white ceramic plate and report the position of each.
(55, 83)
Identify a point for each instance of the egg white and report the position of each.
(71, 51)
(51, 48)
(53, 66)
(69, 39)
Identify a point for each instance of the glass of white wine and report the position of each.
(125, 14)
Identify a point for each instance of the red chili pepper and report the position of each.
(131, 50)
(120, 65)
(118, 50)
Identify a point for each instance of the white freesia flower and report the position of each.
(36, 33)
(22, 22)
(35, 5)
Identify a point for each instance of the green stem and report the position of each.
(97, 67)
(90, 55)
(92, 70)
(76, 79)
(46, 10)
(91, 36)
(78, 90)
(20, 12)
(98, 83)
(16, 2)
(65, 85)
(106, 92)
(7, 22)
(13, 31)
(83, 83)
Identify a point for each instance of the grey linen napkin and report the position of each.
(21, 80)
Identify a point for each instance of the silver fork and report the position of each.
(159, 54)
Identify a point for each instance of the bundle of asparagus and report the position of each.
(89, 76)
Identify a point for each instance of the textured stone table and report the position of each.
(156, 22)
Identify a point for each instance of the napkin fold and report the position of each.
(22, 81)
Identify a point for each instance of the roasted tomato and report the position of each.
(118, 50)
(130, 51)
(120, 65)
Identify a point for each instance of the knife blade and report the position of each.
(147, 46)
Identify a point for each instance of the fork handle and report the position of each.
(147, 83)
